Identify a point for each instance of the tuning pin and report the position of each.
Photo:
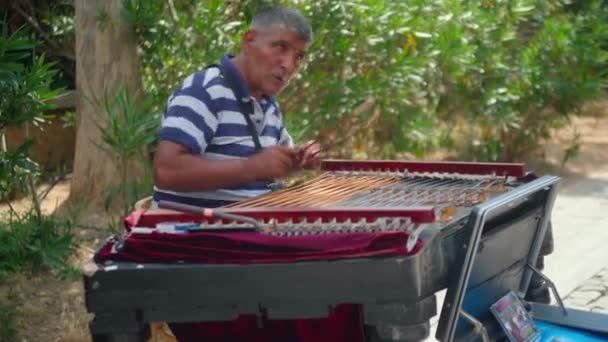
(403, 222)
(318, 224)
(346, 224)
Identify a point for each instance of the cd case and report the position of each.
(515, 320)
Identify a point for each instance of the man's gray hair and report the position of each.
(289, 18)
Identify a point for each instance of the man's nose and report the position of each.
(289, 62)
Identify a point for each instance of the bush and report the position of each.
(33, 244)
(28, 241)
(489, 79)
(388, 77)
(24, 92)
(532, 66)
(25, 80)
(130, 129)
(8, 311)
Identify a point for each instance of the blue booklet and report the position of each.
(515, 320)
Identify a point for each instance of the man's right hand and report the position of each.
(272, 162)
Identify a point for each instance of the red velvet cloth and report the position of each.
(343, 324)
(246, 247)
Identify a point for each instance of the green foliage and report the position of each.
(546, 65)
(129, 123)
(68, 119)
(489, 78)
(573, 149)
(71, 273)
(22, 94)
(33, 243)
(129, 128)
(15, 169)
(24, 90)
(8, 312)
(51, 24)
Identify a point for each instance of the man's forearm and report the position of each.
(189, 173)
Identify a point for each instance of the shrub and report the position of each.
(35, 244)
(24, 92)
(28, 241)
(8, 311)
(487, 78)
(130, 128)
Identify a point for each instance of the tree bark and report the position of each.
(106, 56)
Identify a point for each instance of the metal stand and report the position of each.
(480, 220)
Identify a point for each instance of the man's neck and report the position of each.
(242, 67)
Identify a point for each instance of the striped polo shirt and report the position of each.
(204, 116)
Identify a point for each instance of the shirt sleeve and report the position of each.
(189, 119)
(285, 139)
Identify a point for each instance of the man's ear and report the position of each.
(248, 37)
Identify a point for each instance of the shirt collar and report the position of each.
(229, 67)
(242, 88)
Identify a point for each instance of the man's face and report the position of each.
(274, 56)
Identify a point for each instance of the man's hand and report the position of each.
(272, 162)
(307, 155)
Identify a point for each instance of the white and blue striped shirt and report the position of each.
(204, 116)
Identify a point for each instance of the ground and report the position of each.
(52, 309)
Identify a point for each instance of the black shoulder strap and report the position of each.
(245, 107)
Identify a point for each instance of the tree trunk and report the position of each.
(106, 57)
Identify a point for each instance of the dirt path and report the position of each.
(52, 309)
(592, 153)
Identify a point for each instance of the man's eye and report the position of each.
(282, 46)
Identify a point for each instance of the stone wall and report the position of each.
(54, 143)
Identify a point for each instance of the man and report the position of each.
(223, 138)
(208, 155)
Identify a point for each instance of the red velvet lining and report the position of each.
(343, 324)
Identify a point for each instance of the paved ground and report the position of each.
(591, 294)
(579, 263)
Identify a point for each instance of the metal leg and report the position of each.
(118, 327)
(552, 287)
(538, 291)
(480, 330)
(399, 321)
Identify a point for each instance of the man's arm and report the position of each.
(177, 169)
